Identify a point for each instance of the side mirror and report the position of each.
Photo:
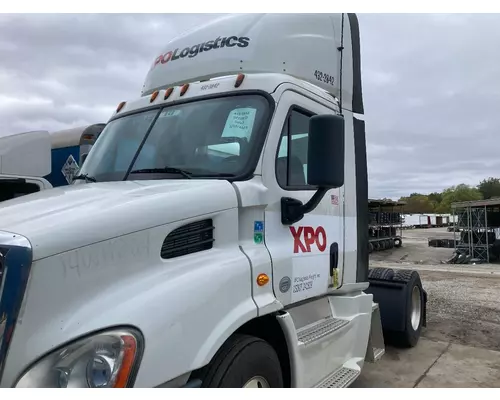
(325, 165)
(326, 146)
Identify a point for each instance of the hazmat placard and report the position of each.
(70, 169)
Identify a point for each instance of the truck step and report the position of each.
(341, 378)
(319, 330)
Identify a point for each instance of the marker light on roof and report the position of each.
(154, 96)
(184, 89)
(168, 93)
(120, 106)
(239, 80)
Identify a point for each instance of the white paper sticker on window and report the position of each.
(240, 123)
(169, 113)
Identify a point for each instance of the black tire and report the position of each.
(376, 246)
(382, 245)
(410, 336)
(370, 247)
(385, 274)
(240, 359)
(398, 242)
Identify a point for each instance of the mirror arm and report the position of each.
(292, 210)
(314, 200)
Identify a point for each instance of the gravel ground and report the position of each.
(460, 347)
(464, 301)
(463, 309)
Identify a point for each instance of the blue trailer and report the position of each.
(70, 147)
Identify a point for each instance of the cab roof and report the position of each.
(314, 48)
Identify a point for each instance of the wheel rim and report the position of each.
(257, 382)
(416, 308)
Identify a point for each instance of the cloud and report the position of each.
(60, 71)
(431, 85)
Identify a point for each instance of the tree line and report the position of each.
(440, 203)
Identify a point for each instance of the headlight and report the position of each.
(104, 360)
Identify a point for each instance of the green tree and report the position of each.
(417, 203)
(489, 188)
(456, 194)
(435, 199)
(441, 202)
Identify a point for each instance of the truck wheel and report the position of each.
(385, 274)
(370, 247)
(414, 313)
(397, 242)
(243, 362)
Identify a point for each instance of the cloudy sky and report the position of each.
(431, 85)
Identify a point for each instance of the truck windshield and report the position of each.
(206, 138)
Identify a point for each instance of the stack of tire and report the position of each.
(384, 244)
(446, 243)
(477, 237)
(388, 218)
(495, 251)
(384, 218)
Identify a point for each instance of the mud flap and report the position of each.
(376, 347)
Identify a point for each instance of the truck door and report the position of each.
(308, 256)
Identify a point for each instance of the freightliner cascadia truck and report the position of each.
(217, 233)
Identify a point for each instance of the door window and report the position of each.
(291, 162)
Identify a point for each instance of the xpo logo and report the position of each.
(306, 236)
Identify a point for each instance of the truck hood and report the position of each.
(66, 218)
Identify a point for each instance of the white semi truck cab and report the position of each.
(219, 237)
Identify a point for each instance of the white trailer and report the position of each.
(39, 160)
(24, 161)
(220, 236)
(411, 220)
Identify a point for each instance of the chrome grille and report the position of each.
(15, 266)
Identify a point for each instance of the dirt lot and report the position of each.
(461, 345)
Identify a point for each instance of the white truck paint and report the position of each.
(220, 270)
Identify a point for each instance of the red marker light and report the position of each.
(154, 96)
(168, 93)
(239, 80)
(184, 89)
(120, 106)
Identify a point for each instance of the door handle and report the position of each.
(334, 257)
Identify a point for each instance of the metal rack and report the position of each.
(385, 224)
(477, 223)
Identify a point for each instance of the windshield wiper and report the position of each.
(167, 170)
(85, 177)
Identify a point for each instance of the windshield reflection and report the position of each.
(206, 138)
